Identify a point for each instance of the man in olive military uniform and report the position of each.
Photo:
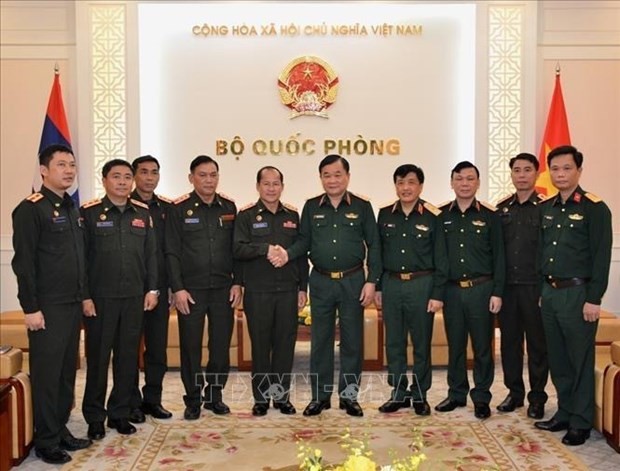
(576, 256)
(339, 230)
(476, 277)
(155, 323)
(272, 296)
(199, 239)
(49, 265)
(121, 263)
(520, 314)
(415, 267)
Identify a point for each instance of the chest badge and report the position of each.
(259, 217)
(575, 217)
(103, 217)
(479, 223)
(351, 215)
(421, 227)
(189, 212)
(56, 214)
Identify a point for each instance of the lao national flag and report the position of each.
(556, 134)
(55, 131)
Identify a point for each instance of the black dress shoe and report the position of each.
(352, 407)
(53, 455)
(316, 407)
(482, 410)
(155, 410)
(191, 413)
(509, 404)
(551, 425)
(421, 408)
(392, 406)
(96, 431)
(259, 409)
(285, 407)
(136, 416)
(536, 411)
(576, 436)
(122, 426)
(448, 405)
(217, 407)
(71, 443)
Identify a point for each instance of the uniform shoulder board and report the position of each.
(91, 203)
(432, 209)
(489, 206)
(35, 197)
(226, 197)
(248, 206)
(504, 199)
(388, 205)
(445, 203)
(165, 199)
(593, 198)
(139, 203)
(180, 199)
(315, 196)
(290, 207)
(362, 197)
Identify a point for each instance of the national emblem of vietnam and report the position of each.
(308, 86)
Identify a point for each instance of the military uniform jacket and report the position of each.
(414, 242)
(576, 241)
(339, 239)
(159, 207)
(49, 250)
(121, 250)
(255, 229)
(521, 229)
(475, 243)
(199, 239)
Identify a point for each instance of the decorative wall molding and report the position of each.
(37, 22)
(505, 83)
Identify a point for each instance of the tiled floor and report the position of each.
(595, 453)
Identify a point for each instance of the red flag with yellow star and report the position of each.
(556, 134)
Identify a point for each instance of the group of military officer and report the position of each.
(116, 262)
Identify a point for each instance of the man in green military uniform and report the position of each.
(121, 263)
(155, 324)
(576, 256)
(520, 315)
(339, 230)
(199, 239)
(415, 268)
(272, 296)
(476, 276)
(49, 265)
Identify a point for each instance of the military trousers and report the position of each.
(404, 315)
(155, 330)
(272, 324)
(520, 320)
(570, 347)
(331, 299)
(116, 328)
(215, 305)
(53, 361)
(466, 314)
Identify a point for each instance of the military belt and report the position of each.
(338, 275)
(471, 282)
(560, 283)
(408, 276)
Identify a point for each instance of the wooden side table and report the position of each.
(6, 441)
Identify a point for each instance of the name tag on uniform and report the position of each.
(59, 219)
(105, 223)
(550, 218)
(351, 215)
(289, 225)
(260, 225)
(389, 225)
(138, 223)
(192, 220)
(447, 222)
(318, 216)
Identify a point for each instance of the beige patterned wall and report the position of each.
(505, 40)
(109, 93)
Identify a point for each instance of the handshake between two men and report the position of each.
(277, 255)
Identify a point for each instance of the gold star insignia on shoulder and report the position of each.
(35, 197)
